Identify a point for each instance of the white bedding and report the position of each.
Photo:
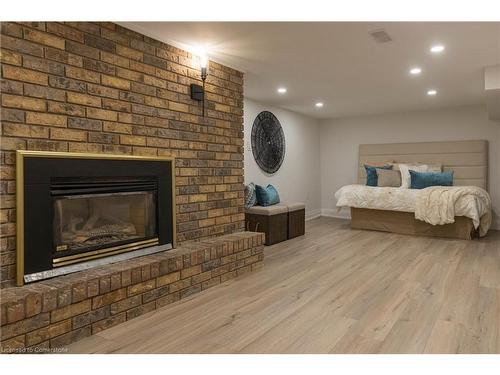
(436, 205)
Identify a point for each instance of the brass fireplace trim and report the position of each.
(21, 154)
(70, 259)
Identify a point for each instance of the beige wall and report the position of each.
(340, 138)
(298, 179)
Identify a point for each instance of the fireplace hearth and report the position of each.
(78, 211)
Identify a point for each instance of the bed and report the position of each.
(395, 209)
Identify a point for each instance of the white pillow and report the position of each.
(434, 168)
(405, 173)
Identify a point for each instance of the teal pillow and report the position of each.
(371, 174)
(267, 196)
(421, 180)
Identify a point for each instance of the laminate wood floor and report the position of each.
(335, 290)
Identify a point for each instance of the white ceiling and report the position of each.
(340, 64)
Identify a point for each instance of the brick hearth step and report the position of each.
(55, 312)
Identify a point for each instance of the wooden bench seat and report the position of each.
(279, 222)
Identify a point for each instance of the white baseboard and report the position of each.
(313, 214)
(338, 214)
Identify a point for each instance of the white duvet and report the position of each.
(436, 205)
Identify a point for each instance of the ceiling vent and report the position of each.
(380, 36)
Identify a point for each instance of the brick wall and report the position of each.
(98, 87)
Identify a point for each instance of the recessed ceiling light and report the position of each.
(437, 48)
(415, 71)
(282, 90)
(319, 104)
(431, 92)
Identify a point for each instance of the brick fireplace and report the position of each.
(82, 104)
(100, 88)
(77, 211)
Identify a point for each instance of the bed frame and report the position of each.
(468, 160)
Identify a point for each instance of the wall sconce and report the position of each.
(197, 91)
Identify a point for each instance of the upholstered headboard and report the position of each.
(468, 159)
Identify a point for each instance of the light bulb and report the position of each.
(437, 48)
(203, 61)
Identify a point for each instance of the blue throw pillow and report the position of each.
(267, 196)
(371, 174)
(421, 180)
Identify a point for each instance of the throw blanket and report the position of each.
(436, 205)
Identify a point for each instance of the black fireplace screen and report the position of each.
(84, 222)
(78, 210)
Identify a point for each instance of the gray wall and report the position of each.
(298, 179)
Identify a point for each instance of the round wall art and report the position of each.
(268, 142)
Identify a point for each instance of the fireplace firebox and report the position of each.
(78, 211)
